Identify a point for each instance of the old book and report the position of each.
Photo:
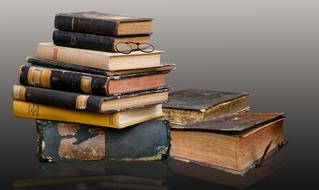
(102, 23)
(74, 81)
(85, 102)
(234, 143)
(114, 120)
(194, 105)
(94, 41)
(163, 67)
(67, 141)
(98, 59)
(271, 165)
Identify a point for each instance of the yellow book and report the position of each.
(114, 120)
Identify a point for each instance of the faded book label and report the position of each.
(81, 101)
(86, 84)
(19, 92)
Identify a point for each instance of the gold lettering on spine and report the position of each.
(81, 101)
(19, 93)
(86, 84)
(39, 77)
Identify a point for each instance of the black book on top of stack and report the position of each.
(82, 82)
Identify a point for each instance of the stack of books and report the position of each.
(100, 72)
(215, 129)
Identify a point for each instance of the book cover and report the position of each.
(107, 61)
(67, 80)
(102, 23)
(93, 41)
(149, 140)
(192, 105)
(90, 103)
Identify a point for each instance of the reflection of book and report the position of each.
(66, 141)
(187, 106)
(97, 175)
(270, 165)
(235, 143)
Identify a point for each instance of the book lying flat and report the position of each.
(85, 102)
(186, 106)
(234, 143)
(95, 42)
(149, 140)
(67, 80)
(99, 59)
(102, 23)
(163, 67)
(114, 120)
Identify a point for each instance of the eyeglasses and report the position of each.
(128, 47)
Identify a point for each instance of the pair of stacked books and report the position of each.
(100, 71)
(215, 129)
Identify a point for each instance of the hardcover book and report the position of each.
(107, 61)
(85, 102)
(235, 143)
(66, 141)
(93, 41)
(102, 23)
(163, 67)
(74, 81)
(114, 120)
(194, 105)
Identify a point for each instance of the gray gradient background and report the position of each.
(269, 48)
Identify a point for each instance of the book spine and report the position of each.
(63, 80)
(57, 98)
(149, 140)
(72, 56)
(38, 111)
(86, 25)
(84, 41)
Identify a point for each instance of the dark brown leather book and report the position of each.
(193, 105)
(102, 85)
(234, 143)
(103, 23)
(163, 67)
(85, 102)
(94, 41)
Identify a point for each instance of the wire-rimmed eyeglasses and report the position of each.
(128, 47)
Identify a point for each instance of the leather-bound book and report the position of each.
(102, 23)
(235, 143)
(187, 106)
(68, 141)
